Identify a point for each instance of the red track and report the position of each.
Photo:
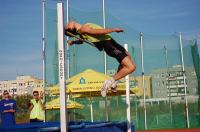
(173, 130)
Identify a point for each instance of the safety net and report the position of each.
(166, 103)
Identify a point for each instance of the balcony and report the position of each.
(177, 86)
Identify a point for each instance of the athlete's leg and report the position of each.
(126, 67)
(114, 84)
(119, 67)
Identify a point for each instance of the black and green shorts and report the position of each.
(112, 48)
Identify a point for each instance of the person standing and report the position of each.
(7, 109)
(37, 108)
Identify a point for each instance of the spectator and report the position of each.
(7, 109)
(36, 108)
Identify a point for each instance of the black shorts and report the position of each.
(112, 48)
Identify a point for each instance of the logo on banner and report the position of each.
(82, 80)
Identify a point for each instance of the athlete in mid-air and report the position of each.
(102, 40)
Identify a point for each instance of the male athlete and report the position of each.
(102, 40)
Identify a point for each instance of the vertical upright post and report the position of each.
(143, 83)
(74, 59)
(107, 109)
(91, 110)
(43, 53)
(169, 89)
(136, 110)
(105, 60)
(61, 61)
(128, 109)
(68, 52)
(104, 26)
(184, 80)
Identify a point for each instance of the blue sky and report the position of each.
(21, 26)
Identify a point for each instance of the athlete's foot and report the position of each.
(114, 87)
(107, 84)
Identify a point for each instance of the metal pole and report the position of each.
(74, 59)
(143, 83)
(136, 110)
(68, 52)
(105, 60)
(43, 52)
(128, 109)
(91, 110)
(104, 26)
(184, 79)
(169, 89)
(107, 109)
(61, 61)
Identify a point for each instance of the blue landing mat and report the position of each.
(73, 127)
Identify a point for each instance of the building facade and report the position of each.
(22, 85)
(170, 82)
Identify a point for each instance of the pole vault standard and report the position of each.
(61, 63)
(128, 109)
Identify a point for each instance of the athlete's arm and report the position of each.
(91, 31)
(71, 42)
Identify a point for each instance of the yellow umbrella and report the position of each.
(93, 78)
(89, 84)
(120, 91)
(53, 90)
(87, 73)
(137, 91)
(55, 104)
